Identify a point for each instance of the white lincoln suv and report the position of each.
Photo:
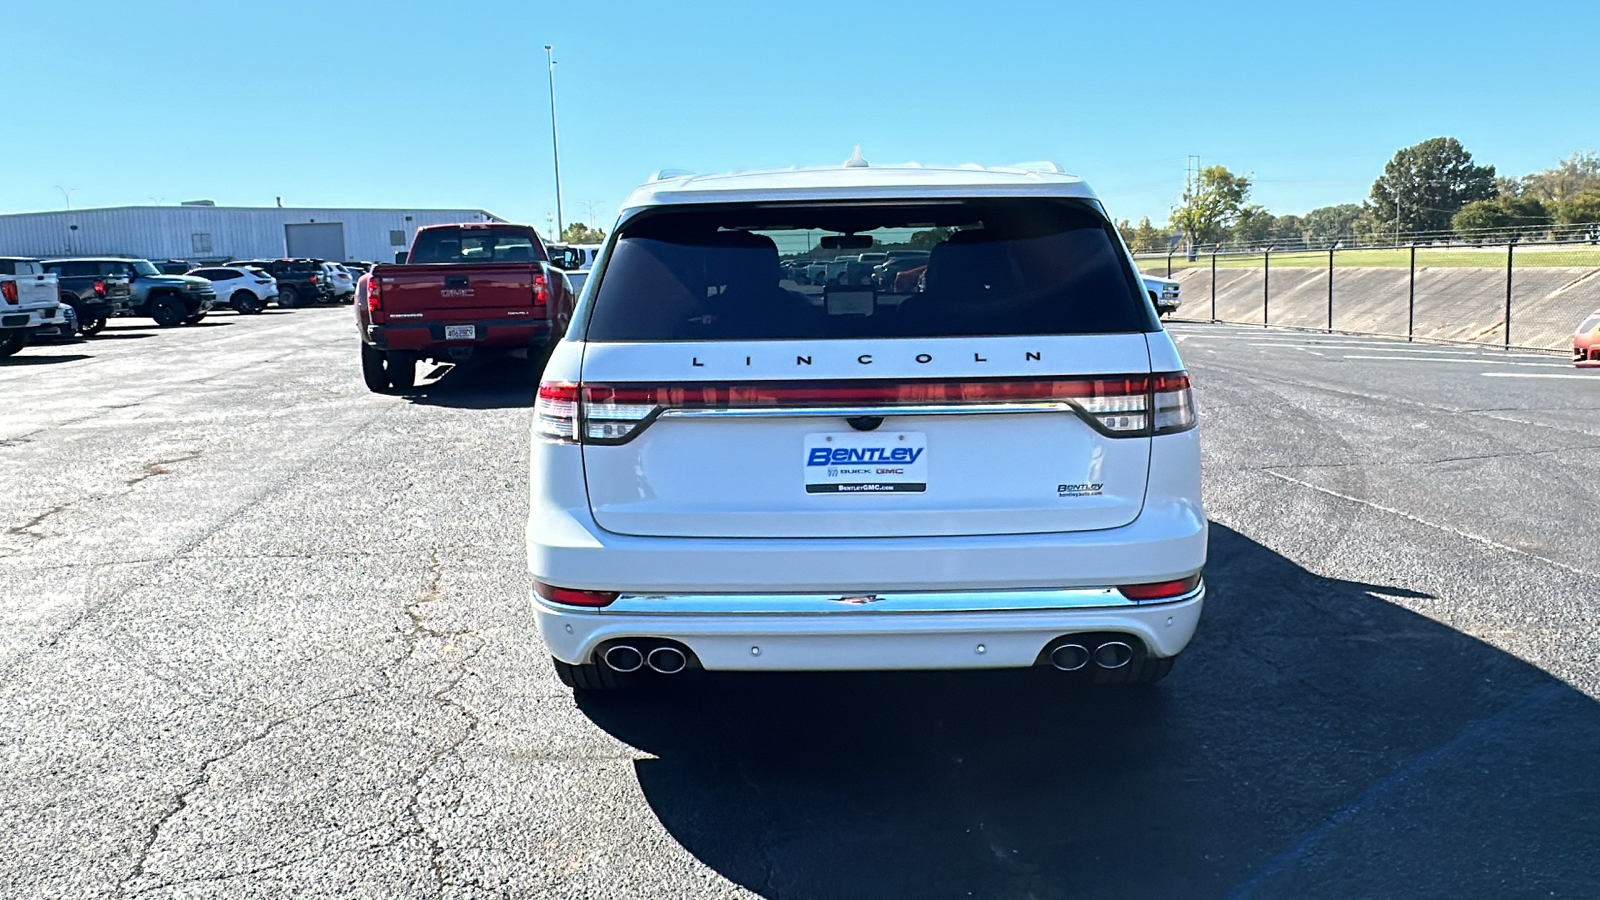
(1000, 470)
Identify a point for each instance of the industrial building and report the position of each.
(201, 232)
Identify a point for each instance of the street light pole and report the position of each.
(66, 194)
(555, 144)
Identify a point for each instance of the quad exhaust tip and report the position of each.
(1113, 655)
(624, 658)
(667, 660)
(1069, 657)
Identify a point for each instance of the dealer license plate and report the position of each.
(866, 462)
(460, 332)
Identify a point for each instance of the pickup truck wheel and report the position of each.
(401, 366)
(372, 371)
(168, 311)
(91, 327)
(244, 303)
(288, 298)
(592, 677)
(12, 340)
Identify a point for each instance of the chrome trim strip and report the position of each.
(863, 604)
(817, 412)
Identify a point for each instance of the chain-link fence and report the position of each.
(1530, 295)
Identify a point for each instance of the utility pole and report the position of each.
(555, 143)
(1191, 173)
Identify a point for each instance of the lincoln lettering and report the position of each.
(837, 456)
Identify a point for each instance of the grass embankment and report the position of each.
(1463, 257)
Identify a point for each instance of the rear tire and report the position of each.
(288, 298)
(372, 371)
(593, 677)
(1140, 670)
(168, 311)
(12, 340)
(401, 366)
(245, 303)
(91, 327)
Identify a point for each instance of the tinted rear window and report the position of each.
(995, 267)
(467, 245)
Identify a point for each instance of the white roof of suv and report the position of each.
(858, 183)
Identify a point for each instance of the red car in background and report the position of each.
(1586, 343)
(465, 291)
(909, 281)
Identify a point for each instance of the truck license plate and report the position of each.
(460, 332)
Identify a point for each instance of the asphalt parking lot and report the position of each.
(265, 634)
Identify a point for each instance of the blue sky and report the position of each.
(436, 104)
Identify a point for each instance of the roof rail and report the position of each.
(669, 174)
(1042, 167)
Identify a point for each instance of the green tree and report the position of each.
(1577, 174)
(579, 233)
(1143, 237)
(926, 240)
(1253, 226)
(1212, 205)
(1327, 224)
(1580, 210)
(1288, 229)
(1496, 218)
(1423, 186)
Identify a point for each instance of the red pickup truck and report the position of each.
(465, 291)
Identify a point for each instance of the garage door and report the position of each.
(318, 240)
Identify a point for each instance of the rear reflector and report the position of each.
(1116, 406)
(573, 597)
(1160, 590)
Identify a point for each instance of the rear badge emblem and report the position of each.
(857, 599)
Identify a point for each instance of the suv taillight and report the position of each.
(1115, 406)
(374, 302)
(555, 412)
(8, 289)
(1174, 402)
(100, 287)
(541, 289)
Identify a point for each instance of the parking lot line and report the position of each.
(1479, 361)
(1573, 375)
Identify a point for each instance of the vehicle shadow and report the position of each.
(41, 359)
(121, 336)
(1315, 741)
(504, 383)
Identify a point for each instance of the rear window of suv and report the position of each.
(994, 267)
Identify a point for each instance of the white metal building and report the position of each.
(200, 232)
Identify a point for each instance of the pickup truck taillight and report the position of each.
(9, 290)
(99, 288)
(541, 289)
(374, 302)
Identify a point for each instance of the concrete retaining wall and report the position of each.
(1456, 303)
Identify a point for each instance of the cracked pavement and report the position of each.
(265, 635)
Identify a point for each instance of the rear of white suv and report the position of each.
(1000, 471)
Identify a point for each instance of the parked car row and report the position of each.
(44, 300)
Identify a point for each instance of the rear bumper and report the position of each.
(425, 337)
(868, 637)
(30, 318)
